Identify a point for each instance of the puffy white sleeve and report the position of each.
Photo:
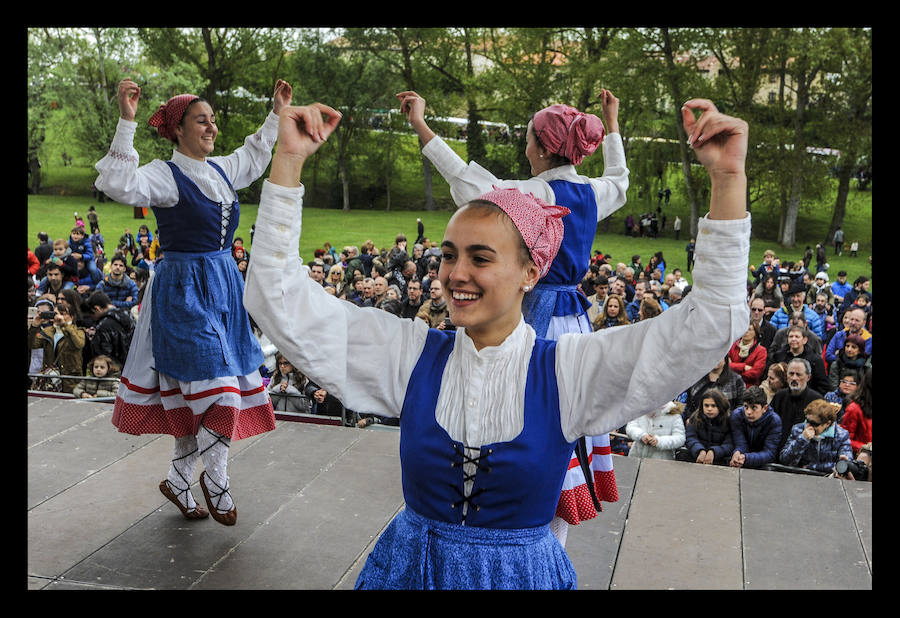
(362, 356)
(246, 164)
(611, 187)
(615, 375)
(121, 179)
(468, 181)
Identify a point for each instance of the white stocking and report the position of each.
(214, 451)
(560, 529)
(181, 472)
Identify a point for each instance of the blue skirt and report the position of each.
(417, 553)
(199, 327)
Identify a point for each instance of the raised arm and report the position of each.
(651, 362)
(362, 356)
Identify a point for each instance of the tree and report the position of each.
(807, 56)
(847, 96)
(403, 53)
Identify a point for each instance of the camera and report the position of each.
(858, 469)
(48, 315)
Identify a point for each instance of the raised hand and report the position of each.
(128, 95)
(283, 95)
(719, 141)
(609, 106)
(301, 131)
(412, 105)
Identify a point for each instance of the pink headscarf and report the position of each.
(539, 223)
(564, 130)
(169, 115)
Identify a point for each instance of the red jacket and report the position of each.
(34, 264)
(751, 368)
(859, 427)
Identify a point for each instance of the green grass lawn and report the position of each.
(67, 190)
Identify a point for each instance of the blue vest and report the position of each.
(517, 484)
(200, 329)
(193, 225)
(556, 294)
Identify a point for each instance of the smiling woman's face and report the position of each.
(197, 131)
(483, 274)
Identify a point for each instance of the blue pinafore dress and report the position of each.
(498, 536)
(556, 294)
(194, 356)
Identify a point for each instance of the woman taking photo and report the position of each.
(490, 413)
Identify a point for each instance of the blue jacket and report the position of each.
(118, 292)
(757, 440)
(702, 434)
(83, 247)
(820, 455)
(837, 343)
(781, 319)
(840, 289)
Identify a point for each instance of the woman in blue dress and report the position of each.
(558, 138)
(489, 413)
(193, 367)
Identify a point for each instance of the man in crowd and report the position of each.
(317, 272)
(413, 301)
(796, 295)
(601, 288)
(113, 328)
(840, 288)
(854, 321)
(434, 310)
(368, 293)
(766, 330)
(798, 347)
(380, 286)
(632, 309)
(798, 318)
(118, 286)
(789, 403)
(53, 282)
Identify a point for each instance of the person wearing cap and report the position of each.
(820, 286)
(490, 413)
(192, 370)
(795, 297)
(558, 139)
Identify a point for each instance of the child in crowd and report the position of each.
(708, 431)
(100, 366)
(93, 221)
(756, 430)
(658, 434)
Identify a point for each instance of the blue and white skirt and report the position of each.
(193, 356)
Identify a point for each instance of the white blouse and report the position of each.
(153, 184)
(365, 356)
(468, 181)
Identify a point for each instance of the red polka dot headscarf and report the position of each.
(565, 131)
(539, 223)
(169, 115)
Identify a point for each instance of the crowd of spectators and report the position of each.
(794, 392)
